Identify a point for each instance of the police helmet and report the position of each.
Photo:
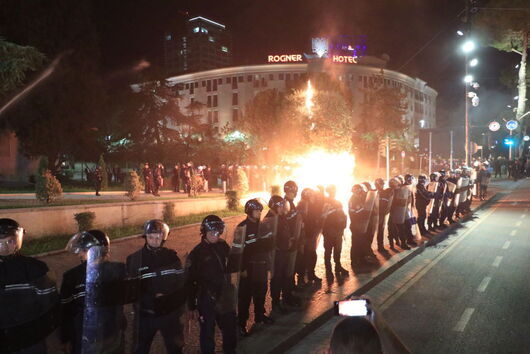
(358, 188)
(84, 240)
(307, 193)
(434, 177)
(394, 183)
(290, 186)
(401, 179)
(212, 223)
(422, 179)
(156, 228)
(251, 205)
(276, 202)
(10, 228)
(409, 179)
(379, 182)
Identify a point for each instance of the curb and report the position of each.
(127, 238)
(294, 339)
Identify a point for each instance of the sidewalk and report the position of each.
(288, 329)
(108, 195)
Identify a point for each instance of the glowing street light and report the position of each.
(468, 79)
(460, 33)
(473, 62)
(468, 46)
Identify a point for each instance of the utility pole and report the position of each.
(430, 153)
(451, 151)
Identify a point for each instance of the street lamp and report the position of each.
(468, 79)
(460, 33)
(468, 46)
(473, 62)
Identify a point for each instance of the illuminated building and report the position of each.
(225, 92)
(203, 44)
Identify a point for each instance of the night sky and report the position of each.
(397, 28)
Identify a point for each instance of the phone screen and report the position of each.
(352, 307)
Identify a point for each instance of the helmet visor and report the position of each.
(11, 242)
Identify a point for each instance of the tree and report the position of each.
(506, 26)
(382, 115)
(60, 118)
(15, 62)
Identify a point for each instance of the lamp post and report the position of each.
(467, 47)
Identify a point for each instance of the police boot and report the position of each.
(327, 263)
(341, 271)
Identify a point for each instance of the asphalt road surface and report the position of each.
(469, 293)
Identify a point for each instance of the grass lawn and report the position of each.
(58, 242)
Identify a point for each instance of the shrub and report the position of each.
(241, 182)
(133, 185)
(232, 200)
(104, 176)
(48, 188)
(275, 190)
(169, 212)
(85, 221)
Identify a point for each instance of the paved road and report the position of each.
(467, 294)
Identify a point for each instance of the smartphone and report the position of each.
(352, 307)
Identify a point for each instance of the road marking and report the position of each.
(484, 284)
(513, 232)
(518, 223)
(506, 245)
(466, 316)
(497, 261)
(391, 299)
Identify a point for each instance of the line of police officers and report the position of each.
(218, 281)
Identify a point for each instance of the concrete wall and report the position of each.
(40, 222)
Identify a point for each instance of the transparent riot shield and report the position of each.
(374, 217)
(296, 229)
(458, 193)
(367, 212)
(431, 187)
(235, 260)
(29, 315)
(464, 189)
(451, 188)
(398, 211)
(266, 239)
(104, 321)
(160, 296)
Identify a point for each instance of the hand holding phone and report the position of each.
(352, 307)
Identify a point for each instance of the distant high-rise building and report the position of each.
(203, 45)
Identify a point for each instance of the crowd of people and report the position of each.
(275, 255)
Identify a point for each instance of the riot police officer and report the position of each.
(148, 178)
(107, 328)
(423, 197)
(290, 189)
(211, 292)
(28, 297)
(355, 209)
(161, 300)
(435, 215)
(385, 201)
(303, 208)
(409, 221)
(333, 230)
(254, 269)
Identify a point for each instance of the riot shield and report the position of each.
(458, 193)
(267, 238)
(104, 322)
(451, 188)
(464, 189)
(431, 187)
(296, 228)
(367, 212)
(235, 262)
(473, 182)
(29, 315)
(385, 202)
(398, 211)
(374, 217)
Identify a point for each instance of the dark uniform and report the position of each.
(210, 292)
(148, 178)
(385, 201)
(312, 228)
(28, 305)
(333, 230)
(158, 179)
(435, 215)
(161, 303)
(73, 305)
(423, 197)
(253, 281)
(98, 178)
(355, 209)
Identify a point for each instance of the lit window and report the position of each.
(204, 30)
(211, 39)
(196, 30)
(168, 37)
(224, 49)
